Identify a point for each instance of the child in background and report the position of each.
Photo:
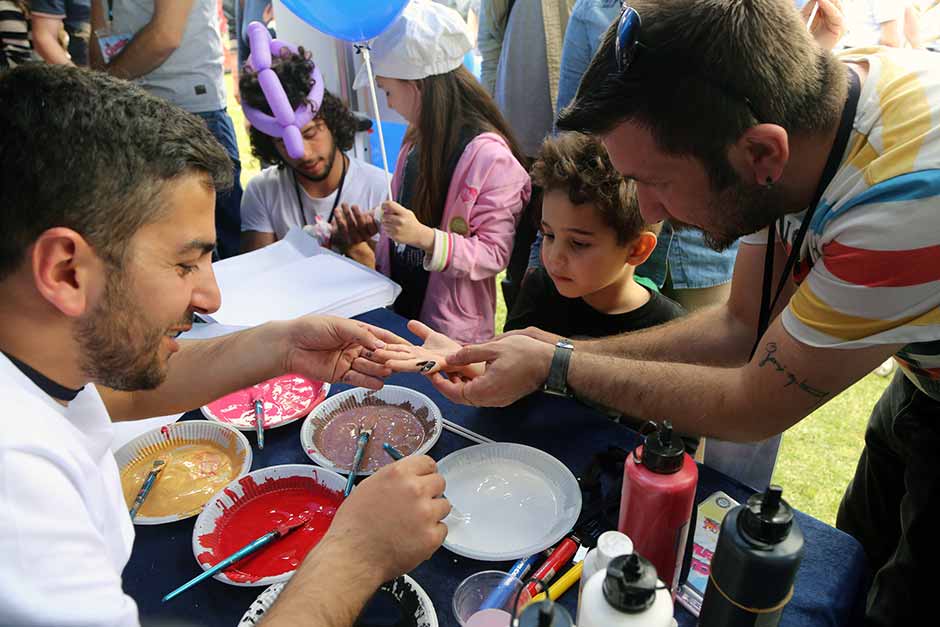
(593, 239)
(459, 184)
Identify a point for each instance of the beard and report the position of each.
(316, 178)
(119, 349)
(742, 209)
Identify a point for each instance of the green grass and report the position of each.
(818, 455)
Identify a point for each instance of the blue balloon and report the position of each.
(351, 20)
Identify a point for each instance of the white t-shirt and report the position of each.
(193, 76)
(865, 18)
(269, 204)
(65, 534)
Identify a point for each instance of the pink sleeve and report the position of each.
(494, 188)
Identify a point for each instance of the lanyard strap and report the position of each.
(339, 192)
(832, 165)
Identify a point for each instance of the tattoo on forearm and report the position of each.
(792, 379)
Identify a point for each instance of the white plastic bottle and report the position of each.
(610, 544)
(628, 593)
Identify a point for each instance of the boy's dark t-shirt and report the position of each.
(540, 305)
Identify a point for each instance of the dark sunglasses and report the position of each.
(628, 38)
(628, 42)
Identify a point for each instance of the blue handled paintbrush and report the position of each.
(282, 530)
(146, 487)
(364, 435)
(259, 423)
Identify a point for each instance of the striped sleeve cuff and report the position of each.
(439, 258)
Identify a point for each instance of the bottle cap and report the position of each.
(663, 452)
(630, 584)
(613, 544)
(766, 517)
(545, 614)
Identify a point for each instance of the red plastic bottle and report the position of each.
(656, 504)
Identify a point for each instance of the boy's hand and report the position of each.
(429, 358)
(535, 333)
(403, 226)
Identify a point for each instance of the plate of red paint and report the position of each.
(256, 504)
(286, 398)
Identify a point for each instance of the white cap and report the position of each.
(613, 544)
(426, 39)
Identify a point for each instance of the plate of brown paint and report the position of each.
(398, 603)
(408, 420)
(200, 459)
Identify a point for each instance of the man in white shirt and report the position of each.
(324, 186)
(105, 258)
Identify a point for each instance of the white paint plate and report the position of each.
(514, 501)
(405, 590)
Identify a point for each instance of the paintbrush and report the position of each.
(364, 435)
(259, 423)
(282, 530)
(146, 487)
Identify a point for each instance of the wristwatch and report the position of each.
(557, 381)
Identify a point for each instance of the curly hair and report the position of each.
(293, 70)
(579, 164)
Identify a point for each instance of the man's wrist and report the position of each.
(556, 381)
(333, 553)
(275, 339)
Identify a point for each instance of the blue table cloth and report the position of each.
(830, 586)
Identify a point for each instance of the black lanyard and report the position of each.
(832, 165)
(339, 192)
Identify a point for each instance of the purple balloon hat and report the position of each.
(286, 123)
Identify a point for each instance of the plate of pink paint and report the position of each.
(286, 398)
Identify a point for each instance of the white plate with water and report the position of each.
(512, 501)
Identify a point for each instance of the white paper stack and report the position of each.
(293, 277)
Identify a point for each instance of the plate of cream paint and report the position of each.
(200, 458)
(286, 398)
(401, 602)
(258, 503)
(408, 420)
(510, 501)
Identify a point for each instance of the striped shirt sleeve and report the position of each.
(877, 280)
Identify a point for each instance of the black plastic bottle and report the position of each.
(759, 550)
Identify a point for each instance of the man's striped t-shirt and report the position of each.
(874, 239)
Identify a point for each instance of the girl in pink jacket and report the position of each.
(459, 183)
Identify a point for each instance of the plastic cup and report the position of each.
(475, 590)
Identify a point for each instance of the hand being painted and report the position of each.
(428, 358)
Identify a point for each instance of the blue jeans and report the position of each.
(228, 215)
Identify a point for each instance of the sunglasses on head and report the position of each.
(628, 43)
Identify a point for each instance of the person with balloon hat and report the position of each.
(459, 185)
(313, 184)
